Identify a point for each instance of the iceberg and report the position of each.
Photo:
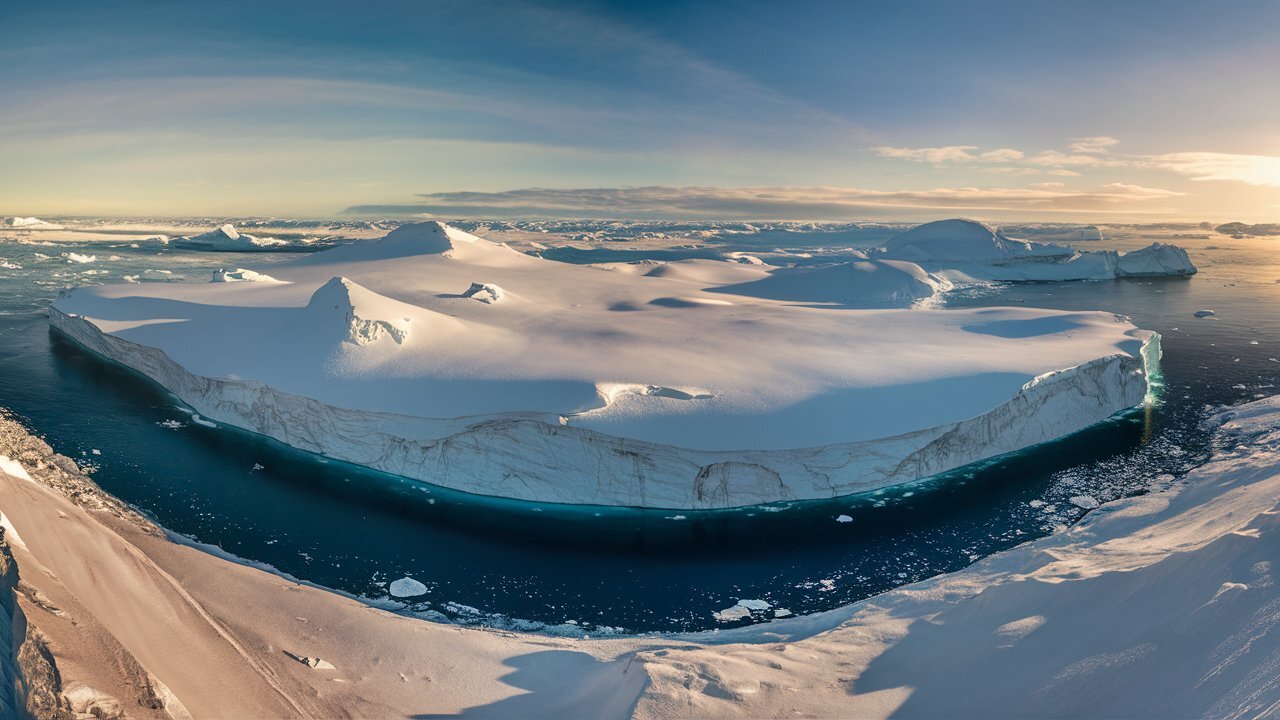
(682, 385)
(240, 275)
(1155, 260)
(226, 238)
(963, 251)
(28, 223)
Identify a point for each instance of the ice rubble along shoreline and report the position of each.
(683, 389)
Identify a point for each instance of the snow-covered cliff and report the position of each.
(675, 390)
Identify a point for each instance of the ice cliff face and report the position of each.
(542, 457)
(1158, 259)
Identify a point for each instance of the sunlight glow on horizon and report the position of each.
(844, 109)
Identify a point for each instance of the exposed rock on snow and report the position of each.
(484, 292)
(407, 587)
(1158, 259)
(365, 353)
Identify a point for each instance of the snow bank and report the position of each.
(368, 353)
(859, 284)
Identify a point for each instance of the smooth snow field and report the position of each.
(530, 565)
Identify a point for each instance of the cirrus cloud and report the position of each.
(773, 203)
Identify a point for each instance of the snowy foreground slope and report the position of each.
(1159, 606)
(438, 355)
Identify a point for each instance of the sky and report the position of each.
(1066, 111)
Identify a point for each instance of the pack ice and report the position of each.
(441, 356)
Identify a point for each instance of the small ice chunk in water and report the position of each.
(844, 519)
(781, 613)
(407, 587)
(1084, 501)
(729, 614)
(1205, 313)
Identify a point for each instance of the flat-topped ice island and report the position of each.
(444, 357)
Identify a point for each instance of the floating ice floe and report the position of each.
(407, 587)
(1086, 502)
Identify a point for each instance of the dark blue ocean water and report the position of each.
(526, 565)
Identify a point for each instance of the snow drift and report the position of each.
(617, 388)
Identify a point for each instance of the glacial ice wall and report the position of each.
(536, 457)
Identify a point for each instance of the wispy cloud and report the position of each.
(783, 203)
(1087, 145)
(1251, 169)
(1096, 152)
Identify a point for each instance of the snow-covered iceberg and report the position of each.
(1155, 260)
(965, 250)
(225, 238)
(676, 385)
(28, 223)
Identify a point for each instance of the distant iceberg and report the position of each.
(965, 250)
(28, 223)
(226, 238)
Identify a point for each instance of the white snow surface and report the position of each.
(1160, 605)
(679, 385)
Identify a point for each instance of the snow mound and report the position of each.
(225, 238)
(485, 292)
(964, 241)
(406, 241)
(859, 284)
(366, 316)
(29, 223)
(407, 587)
(1158, 259)
(240, 275)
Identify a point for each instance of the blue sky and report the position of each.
(756, 109)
